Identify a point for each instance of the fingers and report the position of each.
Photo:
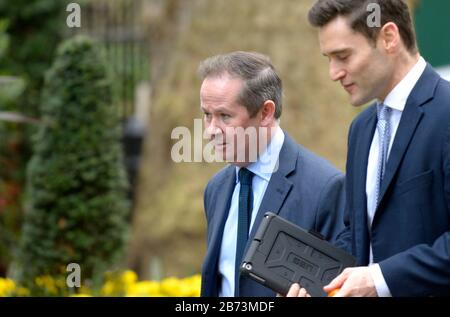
(302, 293)
(297, 291)
(334, 293)
(338, 281)
(294, 290)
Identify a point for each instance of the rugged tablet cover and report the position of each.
(282, 253)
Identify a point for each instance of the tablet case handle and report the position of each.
(316, 234)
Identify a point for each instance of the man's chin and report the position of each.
(222, 154)
(357, 102)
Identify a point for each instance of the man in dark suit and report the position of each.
(242, 91)
(398, 164)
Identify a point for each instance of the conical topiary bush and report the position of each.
(76, 192)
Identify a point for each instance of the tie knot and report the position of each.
(245, 176)
(383, 112)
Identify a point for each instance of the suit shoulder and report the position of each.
(438, 108)
(443, 91)
(317, 165)
(218, 178)
(364, 115)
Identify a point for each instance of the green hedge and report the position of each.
(76, 207)
(11, 162)
(35, 28)
(29, 33)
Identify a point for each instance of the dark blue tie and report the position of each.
(244, 218)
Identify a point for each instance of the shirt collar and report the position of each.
(397, 98)
(268, 160)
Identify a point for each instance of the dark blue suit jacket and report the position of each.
(305, 189)
(410, 233)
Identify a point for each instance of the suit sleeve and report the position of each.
(420, 271)
(329, 217)
(207, 209)
(343, 239)
(206, 196)
(423, 270)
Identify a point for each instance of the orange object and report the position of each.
(333, 292)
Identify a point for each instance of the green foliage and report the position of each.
(11, 164)
(76, 205)
(4, 38)
(29, 33)
(35, 28)
(11, 88)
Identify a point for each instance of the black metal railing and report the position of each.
(117, 25)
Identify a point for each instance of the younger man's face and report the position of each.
(363, 70)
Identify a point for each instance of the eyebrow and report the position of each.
(220, 109)
(336, 52)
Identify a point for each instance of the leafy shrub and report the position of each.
(76, 185)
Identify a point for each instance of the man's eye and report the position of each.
(207, 115)
(342, 57)
(225, 116)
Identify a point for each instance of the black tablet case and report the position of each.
(282, 253)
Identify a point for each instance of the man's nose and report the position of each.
(212, 128)
(336, 73)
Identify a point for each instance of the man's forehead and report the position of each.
(221, 82)
(337, 36)
(220, 88)
(339, 24)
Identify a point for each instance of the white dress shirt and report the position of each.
(263, 168)
(396, 100)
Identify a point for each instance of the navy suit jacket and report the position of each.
(305, 189)
(410, 233)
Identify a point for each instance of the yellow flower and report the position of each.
(171, 287)
(7, 286)
(22, 291)
(80, 295)
(108, 289)
(129, 277)
(48, 283)
(191, 285)
(144, 288)
(117, 284)
(84, 290)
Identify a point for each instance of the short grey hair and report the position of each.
(261, 81)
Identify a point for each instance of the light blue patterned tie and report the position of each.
(384, 136)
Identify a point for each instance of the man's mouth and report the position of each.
(348, 87)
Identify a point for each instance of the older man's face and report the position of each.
(223, 114)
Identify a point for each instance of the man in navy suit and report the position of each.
(398, 164)
(242, 91)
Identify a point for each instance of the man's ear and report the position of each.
(268, 113)
(390, 37)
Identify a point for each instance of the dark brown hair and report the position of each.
(261, 81)
(357, 11)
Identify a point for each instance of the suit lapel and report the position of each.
(360, 161)
(408, 123)
(279, 186)
(412, 114)
(220, 214)
(274, 197)
(222, 208)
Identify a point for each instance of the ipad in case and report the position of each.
(282, 253)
